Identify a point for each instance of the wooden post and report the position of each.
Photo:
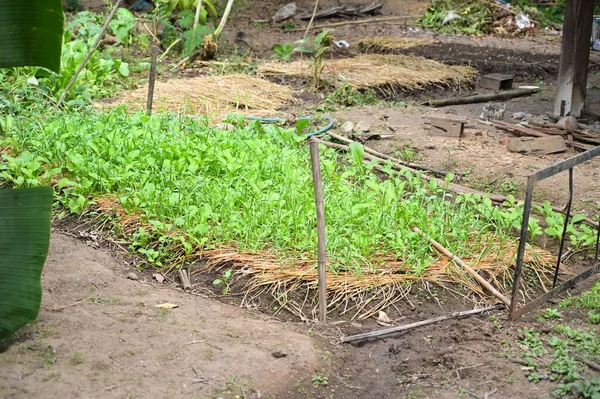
(574, 58)
(151, 80)
(322, 261)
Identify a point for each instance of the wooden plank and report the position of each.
(447, 126)
(518, 129)
(574, 58)
(496, 81)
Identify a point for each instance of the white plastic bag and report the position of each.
(450, 16)
(522, 20)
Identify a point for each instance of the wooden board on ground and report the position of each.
(447, 126)
(496, 81)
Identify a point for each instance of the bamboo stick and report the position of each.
(406, 327)
(321, 251)
(469, 270)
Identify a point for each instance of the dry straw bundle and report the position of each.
(389, 44)
(211, 95)
(384, 72)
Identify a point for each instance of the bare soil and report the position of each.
(100, 335)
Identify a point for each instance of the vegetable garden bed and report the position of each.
(180, 190)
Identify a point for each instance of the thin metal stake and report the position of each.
(322, 259)
(152, 80)
(514, 300)
(564, 234)
(596, 253)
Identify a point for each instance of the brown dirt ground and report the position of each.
(116, 344)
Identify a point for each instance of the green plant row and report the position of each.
(250, 189)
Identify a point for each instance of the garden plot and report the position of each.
(182, 191)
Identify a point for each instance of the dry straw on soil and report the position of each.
(386, 73)
(210, 95)
(389, 44)
(359, 295)
(363, 295)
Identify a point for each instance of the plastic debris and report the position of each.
(523, 21)
(596, 45)
(450, 16)
(341, 44)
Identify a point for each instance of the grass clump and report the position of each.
(589, 299)
(195, 187)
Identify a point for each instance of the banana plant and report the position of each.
(30, 35)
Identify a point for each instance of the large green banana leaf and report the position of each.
(31, 33)
(24, 239)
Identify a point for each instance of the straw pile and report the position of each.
(389, 44)
(386, 73)
(210, 95)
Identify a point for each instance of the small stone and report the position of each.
(568, 123)
(356, 325)
(362, 127)
(285, 12)
(132, 276)
(278, 354)
(224, 126)
(521, 115)
(347, 127)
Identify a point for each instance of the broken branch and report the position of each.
(406, 327)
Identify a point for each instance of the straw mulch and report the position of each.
(390, 44)
(386, 73)
(209, 95)
(360, 294)
(363, 294)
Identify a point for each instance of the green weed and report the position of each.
(347, 96)
(283, 51)
(224, 281)
(551, 314)
(589, 299)
(319, 380)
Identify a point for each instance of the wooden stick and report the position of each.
(360, 21)
(87, 57)
(312, 19)
(387, 157)
(152, 80)
(61, 308)
(592, 365)
(462, 264)
(322, 260)
(185, 280)
(481, 98)
(406, 327)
